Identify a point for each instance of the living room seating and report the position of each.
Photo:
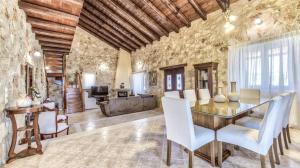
(125, 105)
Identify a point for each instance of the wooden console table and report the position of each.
(11, 112)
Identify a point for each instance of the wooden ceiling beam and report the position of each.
(108, 33)
(88, 9)
(224, 4)
(159, 16)
(130, 19)
(51, 26)
(68, 6)
(177, 12)
(49, 44)
(100, 7)
(142, 17)
(53, 49)
(104, 36)
(48, 14)
(198, 9)
(53, 40)
(52, 34)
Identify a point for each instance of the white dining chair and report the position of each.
(204, 94)
(190, 95)
(173, 94)
(48, 124)
(285, 123)
(255, 123)
(259, 141)
(181, 130)
(60, 117)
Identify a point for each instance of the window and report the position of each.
(139, 83)
(254, 68)
(178, 82)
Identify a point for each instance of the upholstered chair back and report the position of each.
(47, 122)
(50, 105)
(266, 132)
(190, 95)
(249, 93)
(204, 94)
(281, 113)
(173, 94)
(288, 110)
(179, 122)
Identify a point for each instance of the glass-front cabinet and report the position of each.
(206, 77)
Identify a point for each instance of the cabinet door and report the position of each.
(174, 79)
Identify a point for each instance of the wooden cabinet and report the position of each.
(206, 77)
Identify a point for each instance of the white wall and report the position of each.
(124, 70)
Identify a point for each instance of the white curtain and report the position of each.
(139, 82)
(272, 66)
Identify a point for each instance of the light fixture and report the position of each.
(47, 68)
(37, 54)
(232, 18)
(228, 26)
(258, 21)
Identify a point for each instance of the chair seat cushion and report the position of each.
(241, 136)
(61, 117)
(259, 112)
(203, 136)
(249, 122)
(61, 127)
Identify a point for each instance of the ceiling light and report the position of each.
(47, 68)
(37, 54)
(232, 18)
(258, 21)
(228, 27)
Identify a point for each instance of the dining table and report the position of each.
(214, 115)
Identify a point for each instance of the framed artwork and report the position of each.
(153, 78)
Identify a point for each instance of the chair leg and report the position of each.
(220, 154)
(263, 161)
(169, 148)
(191, 159)
(67, 131)
(288, 134)
(277, 161)
(285, 138)
(280, 144)
(271, 157)
(212, 154)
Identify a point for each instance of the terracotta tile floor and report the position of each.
(136, 144)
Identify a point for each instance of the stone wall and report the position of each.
(91, 55)
(17, 44)
(206, 41)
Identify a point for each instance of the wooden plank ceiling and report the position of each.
(54, 23)
(132, 24)
(126, 24)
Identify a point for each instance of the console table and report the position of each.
(11, 112)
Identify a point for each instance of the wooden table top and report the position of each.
(228, 109)
(22, 110)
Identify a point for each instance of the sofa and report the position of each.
(125, 105)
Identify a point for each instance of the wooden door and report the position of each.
(174, 79)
